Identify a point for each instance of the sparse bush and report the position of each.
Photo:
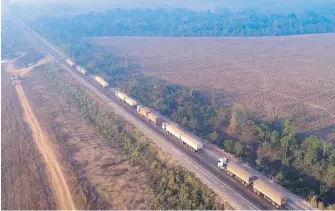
(173, 187)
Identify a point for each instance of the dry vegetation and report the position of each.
(106, 178)
(23, 181)
(274, 76)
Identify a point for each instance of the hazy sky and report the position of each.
(33, 8)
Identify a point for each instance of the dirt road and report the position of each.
(58, 183)
(57, 180)
(23, 181)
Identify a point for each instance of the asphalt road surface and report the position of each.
(202, 163)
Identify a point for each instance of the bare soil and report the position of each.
(24, 184)
(107, 179)
(273, 76)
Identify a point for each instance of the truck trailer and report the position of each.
(149, 114)
(270, 193)
(126, 99)
(71, 63)
(189, 140)
(81, 70)
(101, 81)
(259, 186)
(237, 171)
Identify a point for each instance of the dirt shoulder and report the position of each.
(58, 183)
(23, 181)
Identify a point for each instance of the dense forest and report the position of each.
(182, 22)
(306, 166)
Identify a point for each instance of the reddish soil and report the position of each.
(283, 76)
(24, 184)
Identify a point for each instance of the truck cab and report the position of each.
(222, 162)
(138, 108)
(164, 124)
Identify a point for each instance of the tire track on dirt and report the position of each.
(57, 180)
(58, 183)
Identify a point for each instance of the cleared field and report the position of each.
(273, 76)
(101, 177)
(24, 184)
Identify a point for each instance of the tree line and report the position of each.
(185, 23)
(173, 187)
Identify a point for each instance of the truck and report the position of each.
(125, 98)
(182, 136)
(143, 111)
(154, 117)
(71, 63)
(81, 70)
(270, 193)
(149, 114)
(259, 186)
(235, 170)
(101, 81)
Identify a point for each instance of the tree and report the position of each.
(280, 176)
(228, 145)
(314, 201)
(321, 205)
(313, 150)
(289, 128)
(239, 149)
(274, 137)
(288, 146)
(233, 126)
(330, 175)
(214, 136)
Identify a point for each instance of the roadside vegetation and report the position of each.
(173, 187)
(28, 59)
(304, 165)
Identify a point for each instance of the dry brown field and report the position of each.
(101, 177)
(96, 175)
(23, 181)
(272, 76)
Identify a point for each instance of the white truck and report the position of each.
(222, 163)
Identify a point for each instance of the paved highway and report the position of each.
(202, 163)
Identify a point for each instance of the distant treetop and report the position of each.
(182, 22)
